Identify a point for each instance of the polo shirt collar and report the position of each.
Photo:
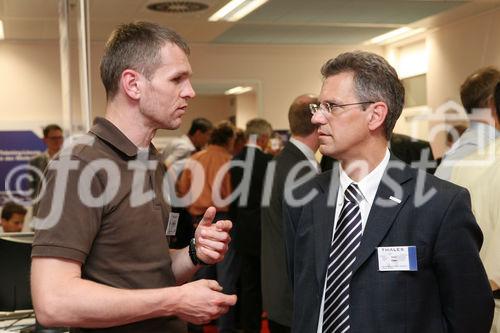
(105, 130)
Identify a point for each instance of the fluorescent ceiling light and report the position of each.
(2, 36)
(238, 90)
(236, 9)
(395, 35)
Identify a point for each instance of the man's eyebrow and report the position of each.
(331, 101)
(182, 73)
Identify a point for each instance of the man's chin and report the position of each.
(172, 125)
(327, 150)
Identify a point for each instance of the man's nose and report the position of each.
(318, 118)
(188, 91)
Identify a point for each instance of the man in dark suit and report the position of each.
(379, 246)
(53, 139)
(247, 178)
(296, 161)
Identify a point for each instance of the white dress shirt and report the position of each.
(368, 187)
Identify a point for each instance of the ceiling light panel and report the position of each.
(236, 10)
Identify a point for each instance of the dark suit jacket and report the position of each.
(409, 149)
(247, 215)
(276, 290)
(448, 293)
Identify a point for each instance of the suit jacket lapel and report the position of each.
(382, 217)
(324, 215)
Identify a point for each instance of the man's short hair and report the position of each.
(478, 88)
(200, 124)
(222, 134)
(259, 127)
(135, 46)
(49, 128)
(497, 99)
(299, 115)
(374, 80)
(10, 208)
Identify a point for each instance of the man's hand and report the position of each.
(202, 301)
(212, 240)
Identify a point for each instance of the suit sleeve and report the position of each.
(467, 301)
(290, 223)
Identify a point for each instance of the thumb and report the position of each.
(214, 285)
(208, 217)
(228, 300)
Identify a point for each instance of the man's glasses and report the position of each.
(332, 107)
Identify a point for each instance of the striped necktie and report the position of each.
(346, 240)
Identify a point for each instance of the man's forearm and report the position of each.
(74, 302)
(182, 266)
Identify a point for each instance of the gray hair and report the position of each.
(259, 127)
(374, 80)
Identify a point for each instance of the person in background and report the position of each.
(175, 154)
(13, 216)
(300, 149)
(367, 249)
(476, 94)
(239, 142)
(484, 193)
(54, 140)
(248, 182)
(217, 154)
(106, 265)
(454, 134)
(179, 149)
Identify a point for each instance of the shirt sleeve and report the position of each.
(65, 227)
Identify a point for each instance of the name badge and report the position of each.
(397, 258)
(173, 219)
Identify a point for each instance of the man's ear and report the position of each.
(130, 82)
(377, 116)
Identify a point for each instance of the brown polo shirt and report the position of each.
(117, 235)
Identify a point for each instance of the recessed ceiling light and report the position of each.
(238, 90)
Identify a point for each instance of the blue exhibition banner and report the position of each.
(16, 149)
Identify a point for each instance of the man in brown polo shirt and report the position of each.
(101, 261)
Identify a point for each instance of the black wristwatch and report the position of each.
(192, 254)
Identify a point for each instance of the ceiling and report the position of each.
(276, 22)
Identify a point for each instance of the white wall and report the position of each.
(247, 107)
(29, 84)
